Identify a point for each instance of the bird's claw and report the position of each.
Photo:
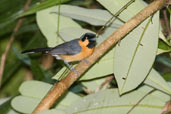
(75, 71)
(85, 60)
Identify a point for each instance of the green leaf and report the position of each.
(95, 103)
(8, 14)
(52, 111)
(70, 30)
(167, 76)
(114, 5)
(164, 60)
(36, 41)
(33, 91)
(67, 100)
(135, 55)
(12, 85)
(28, 28)
(24, 58)
(155, 80)
(49, 29)
(93, 85)
(14, 66)
(5, 105)
(71, 33)
(104, 67)
(163, 38)
(25, 104)
(163, 47)
(43, 5)
(37, 70)
(109, 102)
(95, 17)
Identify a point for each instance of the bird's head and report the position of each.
(89, 39)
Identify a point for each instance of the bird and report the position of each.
(75, 50)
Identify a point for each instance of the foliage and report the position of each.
(131, 61)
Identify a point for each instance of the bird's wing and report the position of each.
(68, 48)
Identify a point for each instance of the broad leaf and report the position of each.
(135, 55)
(33, 91)
(48, 22)
(109, 102)
(99, 102)
(71, 33)
(25, 104)
(97, 17)
(115, 5)
(155, 80)
(52, 111)
(93, 85)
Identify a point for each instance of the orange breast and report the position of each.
(85, 52)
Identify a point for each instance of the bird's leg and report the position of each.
(71, 68)
(85, 60)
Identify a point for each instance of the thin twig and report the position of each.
(166, 23)
(60, 87)
(140, 101)
(167, 108)
(87, 91)
(107, 81)
(28, 75)
(4, 55)
(47, 61)
(113, 18)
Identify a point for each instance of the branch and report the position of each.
(60, 87)
(15, 30)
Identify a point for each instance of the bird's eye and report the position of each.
(83, 39)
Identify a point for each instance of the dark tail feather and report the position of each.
(43, 50)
